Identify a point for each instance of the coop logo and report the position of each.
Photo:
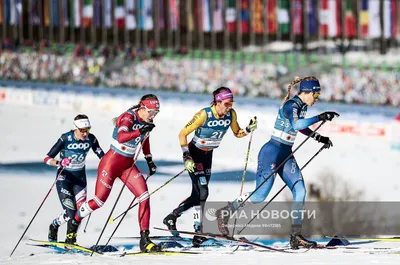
(211, 214)
(137, 126)
(78, 146)
(218, 123)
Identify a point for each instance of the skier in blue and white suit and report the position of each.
(73, 147)
(290, 120)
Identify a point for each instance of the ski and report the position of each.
(160, 238)
(384, 239)
(63, 247)
(239, 240)
(160, 253)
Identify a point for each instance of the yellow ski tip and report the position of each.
(111, 220)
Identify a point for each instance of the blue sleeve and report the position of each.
(291, 111)
(57, 147)
(96, 146)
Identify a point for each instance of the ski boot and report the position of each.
(198, 240)
(146, 245)
(72, 230)
(299, 240)
(53, 232)
(223, 220)
(170, 222)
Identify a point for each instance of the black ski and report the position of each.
(239, 240)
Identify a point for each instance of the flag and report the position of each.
(364, 18)
(312, 7)
(230, 16)
(107, 14)
(205, 15)
(189, 11)
(283, 16)
(15, 11)
(257, 17)
(174, 14)
(350, 28)
(390, 18)
(54, 14)
(217, 16)
(130, 14)
(97, 19)
(161, 14)
(374, 27)
(297, 20)
(65, 13)
(145, 16)
(245, 16)
(272, 25)
(119, 14)
(330, 18)
(87, 13)
(1, 11)
(77, 13)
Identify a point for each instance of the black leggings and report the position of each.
(200, 179)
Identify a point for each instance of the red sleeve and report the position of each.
(124, 122)
(146, 147)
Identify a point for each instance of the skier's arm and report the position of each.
(96, 146)
(57, 147)
(237, 131)
(124, 122)
(197, 121)
(291, 111)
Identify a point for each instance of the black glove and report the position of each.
(152, 166)
(325, 140)
(327, 116)
(146, 128)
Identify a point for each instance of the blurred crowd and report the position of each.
(193, 75)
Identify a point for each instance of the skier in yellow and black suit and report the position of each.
(210, 125)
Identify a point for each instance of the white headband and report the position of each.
(83, 123)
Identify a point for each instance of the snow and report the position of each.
(28, 133)
(23, 194)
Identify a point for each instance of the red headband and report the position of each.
(150, 103)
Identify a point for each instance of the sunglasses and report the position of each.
(316, 95)
(228, 104)
(84, 130)
(152, 112)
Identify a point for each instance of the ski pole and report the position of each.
(86, 225)
(278, 167)
(244, 174)
(283, 187)
(120, 221)
(37, 211)
(119, 195)
(168, 181)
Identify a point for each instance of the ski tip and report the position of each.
(111, 220)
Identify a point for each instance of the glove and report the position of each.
(147, 128)
(188, 161)
(152, 166)
(325, 140)
(252, 125)
(65, 162)
(327, 116)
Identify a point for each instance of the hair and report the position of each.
(216, 92)
(294, 82)
(137, 106)
(80, 117)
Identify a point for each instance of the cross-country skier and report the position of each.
(290, 120)
(210, 125)
(73, 147)
(131, 128)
